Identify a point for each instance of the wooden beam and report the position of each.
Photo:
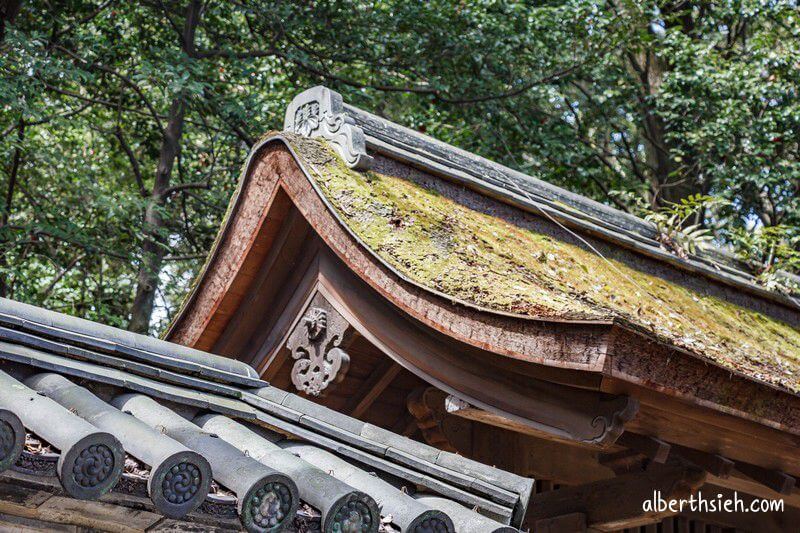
(477, 414)
(654, 449)
(712, 463)
(615, 504)
(766, 522)
(776, 480)
(743, 484)
(380, 378)
(623, 462)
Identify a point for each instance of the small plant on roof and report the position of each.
(671, 224)
(772, 252)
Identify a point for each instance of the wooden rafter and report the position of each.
(776, 480)
(377, 382)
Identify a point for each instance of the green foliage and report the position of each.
(672, 224)
(771, 250)
(662, 101)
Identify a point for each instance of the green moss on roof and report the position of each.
(490, 263)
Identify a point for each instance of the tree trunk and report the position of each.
(669, 181)
(16, 162)
(8, 12)
(155, 245)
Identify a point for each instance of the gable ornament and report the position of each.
(319, 112)
(316, 346)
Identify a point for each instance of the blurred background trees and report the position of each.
(123, 125)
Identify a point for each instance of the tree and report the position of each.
(124, 124)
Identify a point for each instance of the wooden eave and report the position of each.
(276, 181)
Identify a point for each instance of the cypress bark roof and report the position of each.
(475, 255)
(61, 368)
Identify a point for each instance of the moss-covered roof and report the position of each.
(488, 262)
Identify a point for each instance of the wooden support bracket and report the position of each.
(654, 449)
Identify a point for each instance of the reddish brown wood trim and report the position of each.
(272, 165)
(688, 377)
(256, 212)
(529, 340)
(573, 413)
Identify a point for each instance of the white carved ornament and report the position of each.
(319, 112)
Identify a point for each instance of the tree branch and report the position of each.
(84, 20)
(125, 79)
(169, 191)
(137, 171)
(45, 294)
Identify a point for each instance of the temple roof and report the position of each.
(104, 397)
(471, 290)
(481, 255)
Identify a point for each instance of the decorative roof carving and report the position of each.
(319, 112)
(315, 346)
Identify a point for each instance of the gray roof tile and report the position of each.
(90, 356)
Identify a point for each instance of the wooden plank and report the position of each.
(17, 499)
(538, 458)
(375, 384)
(569, 523)
(259, 208)
(17, 524)
(274, 273)
(95, 514)
(681, 525)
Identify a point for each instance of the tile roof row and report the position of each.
(99, 394)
